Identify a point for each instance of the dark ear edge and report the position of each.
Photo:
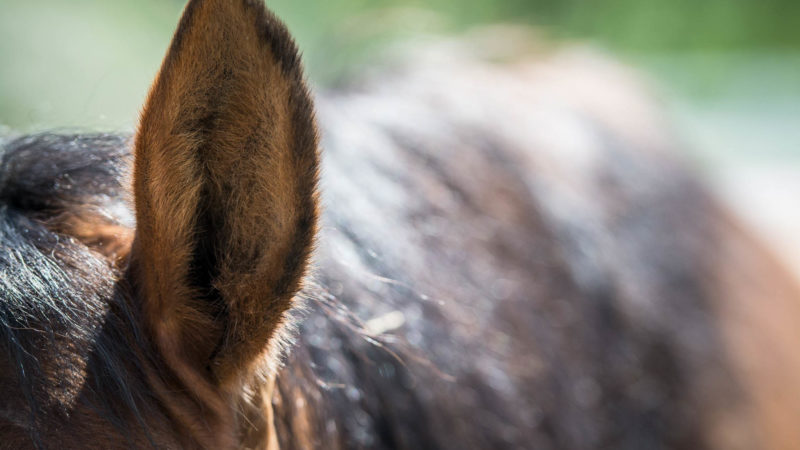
(225, 176)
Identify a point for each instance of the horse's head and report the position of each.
(164, 332)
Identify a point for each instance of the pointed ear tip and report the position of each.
(275, 32)
(269, 28)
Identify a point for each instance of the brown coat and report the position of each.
(509, 257)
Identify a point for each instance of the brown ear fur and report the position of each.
(225, 187)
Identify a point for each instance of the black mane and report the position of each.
(61, 305)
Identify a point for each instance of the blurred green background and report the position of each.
(728, 71)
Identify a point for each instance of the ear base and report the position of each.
(225, 181)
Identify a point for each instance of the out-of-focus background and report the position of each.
(727, 71)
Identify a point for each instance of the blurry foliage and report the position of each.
(634, 27)
(88, 62)
(647, 25)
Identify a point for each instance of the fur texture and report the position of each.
(511, 257)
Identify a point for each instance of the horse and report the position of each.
(485, 255)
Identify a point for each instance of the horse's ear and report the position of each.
(225, 188)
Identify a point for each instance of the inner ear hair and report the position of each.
(225, 175)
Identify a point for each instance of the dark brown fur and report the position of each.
(496, 268)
